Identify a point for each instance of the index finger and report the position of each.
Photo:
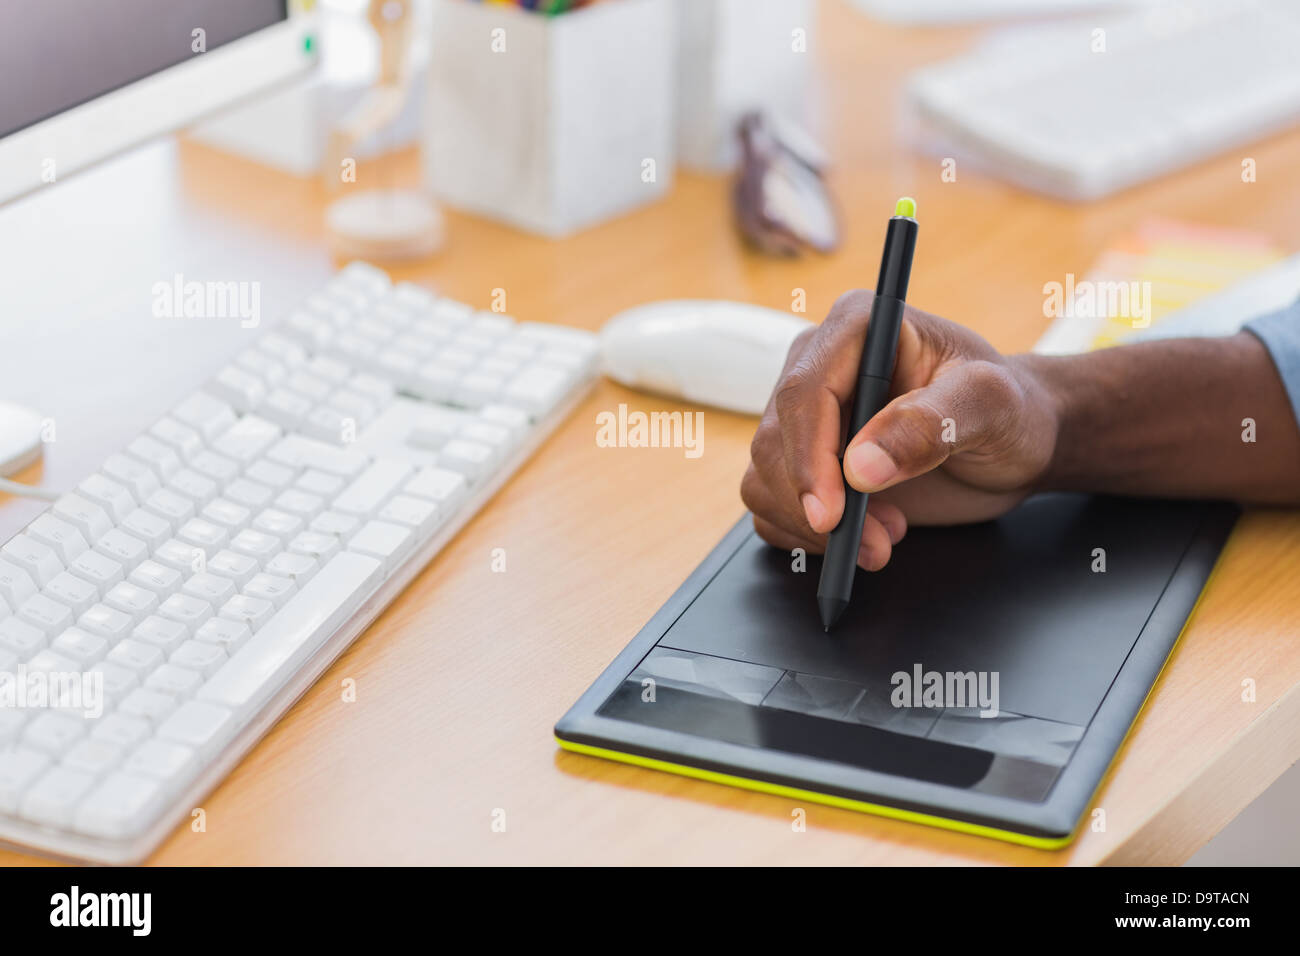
(810, 402)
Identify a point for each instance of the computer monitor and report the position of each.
(83, 79)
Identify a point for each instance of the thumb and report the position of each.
(918, 430)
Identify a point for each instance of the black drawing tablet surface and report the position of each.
(983, 681)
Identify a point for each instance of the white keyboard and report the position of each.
(212, 569)
(1175, 84)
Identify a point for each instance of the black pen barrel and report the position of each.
(875, 373)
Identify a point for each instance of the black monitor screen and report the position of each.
(56, 54)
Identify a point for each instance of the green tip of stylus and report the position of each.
(906, 207)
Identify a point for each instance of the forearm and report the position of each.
(1171, 418)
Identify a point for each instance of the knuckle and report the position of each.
(914, 430)
(790, 392)
(853, 302)
(767, 438)
(750, 486)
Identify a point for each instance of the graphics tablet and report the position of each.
(982, 681)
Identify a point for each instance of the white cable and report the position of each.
(26, 491)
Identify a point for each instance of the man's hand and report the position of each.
(967, 434)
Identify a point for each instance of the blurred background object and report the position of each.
(939, 12)
(781, 203)
(384, 224)
(550, 123)
(1083, 108)
(733, 57)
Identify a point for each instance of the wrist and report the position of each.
(1047, 405)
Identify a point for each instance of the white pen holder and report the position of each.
(551, 124)
(734, 56)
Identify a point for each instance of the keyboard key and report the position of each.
(270, 474)
(171, 506)
(217, 467)
(64, 537)
(298, 568)
(212, 588)
(224, 633)
(93, 757)
(257, 545)
(446, 488)
(181, 556)
(16, 585)
(162, 633)
(89, 518)
(298, 452)
(162, 759)
(162, 459)
(182, 439)
(148, 527)
(19, 769)
(185, 609)
(156, 577)
(118, 681)
(373, 487)
(80, 646)
(472, 459)
(133, 600)
(198, 488)
(316, 545)
(49, 615)
(121, 547)
(109, 495)
(204, 534)
(147, 704)
(204, 657)
(278, 524)
(269, 587)
(53, 733)
(253, 612)
(537, 390)
(226, 514)
(200, 725)
(54, 797)
(233, 566)
(133, 474)
(68, 589)
(301, 503)
(51, 662)
(135, 656)
(250, 494)
(97, 569)
(389, 543)
(20, 638)
(238, 386)
(334, 523)
(288, 639)
(121, 730)
(107, 622)
(174, 681)
(38, 560)
(247, 439)
(123, 805)
(418, 513)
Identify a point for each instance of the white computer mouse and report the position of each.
(710, 351)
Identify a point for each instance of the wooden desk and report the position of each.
(460, 682)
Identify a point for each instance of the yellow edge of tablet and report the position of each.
(844, 803)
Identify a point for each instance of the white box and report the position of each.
(555, 123)
(734, 56)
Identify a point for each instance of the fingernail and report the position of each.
(813, 510)
(868, 467)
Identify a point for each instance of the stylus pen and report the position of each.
(879, 352)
